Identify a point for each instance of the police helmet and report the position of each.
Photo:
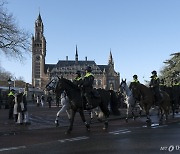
(12, 90)
(78, 73)
(88, 69)
(135, 76)
(154, 72)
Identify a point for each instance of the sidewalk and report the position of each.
(41, 118)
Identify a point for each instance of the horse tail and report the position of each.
(114, 103)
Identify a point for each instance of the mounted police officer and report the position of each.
(135, 80)
(154, 84)
(87, 85)
(78, 79)
(162, 85)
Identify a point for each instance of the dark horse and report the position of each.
(174, 94)
(146, 97)
(77, 102)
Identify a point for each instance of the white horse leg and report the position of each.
(63, 109)
(19, 121)
(127, 112)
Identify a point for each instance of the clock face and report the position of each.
(37, 58)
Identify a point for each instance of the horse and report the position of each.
(129, 100)
(173, 95)
(176, 97)
(67, 108)
(146, 97)
(78, 103)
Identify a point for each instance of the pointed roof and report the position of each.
(76, 51)
(39, 17)
(110, 58)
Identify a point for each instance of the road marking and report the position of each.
(158, 126)
(74, 139)
(12, 148)
(154, 126)
(122, 131)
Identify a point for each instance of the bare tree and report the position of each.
(4, 75)
(14, 42)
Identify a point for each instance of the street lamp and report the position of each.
(9, 83)
(33, 95)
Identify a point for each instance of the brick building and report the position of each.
(105, 75)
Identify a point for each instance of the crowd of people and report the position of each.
(18, 107)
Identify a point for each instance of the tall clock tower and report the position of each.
(38, 54)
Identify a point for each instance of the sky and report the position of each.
(141, 34)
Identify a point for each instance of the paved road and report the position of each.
(42, 137)
(134, 137)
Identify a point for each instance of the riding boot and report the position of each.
(88, 104)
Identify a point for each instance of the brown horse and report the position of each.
(147, 100)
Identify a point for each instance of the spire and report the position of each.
(76, 56)
(111, 59)
(39, 17)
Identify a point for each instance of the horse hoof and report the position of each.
(148, 121)
(67, 132)
(105, 126)
(88, 127)
(57, 123)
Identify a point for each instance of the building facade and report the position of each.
(105, 75)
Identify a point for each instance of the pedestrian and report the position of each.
(18, 108)
(42, 100)
(11, 103)
(57, 100)
(38, 100)
(25, 111)
(49, 100)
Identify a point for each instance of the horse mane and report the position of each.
(143, 85)
(69, 82)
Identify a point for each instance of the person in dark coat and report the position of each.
(78, 79)
(154, 84)
(49, 100)
(11, 103)
(135, 80)
(87, 86)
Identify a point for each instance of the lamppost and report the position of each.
(33, 95)
(9, 83)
